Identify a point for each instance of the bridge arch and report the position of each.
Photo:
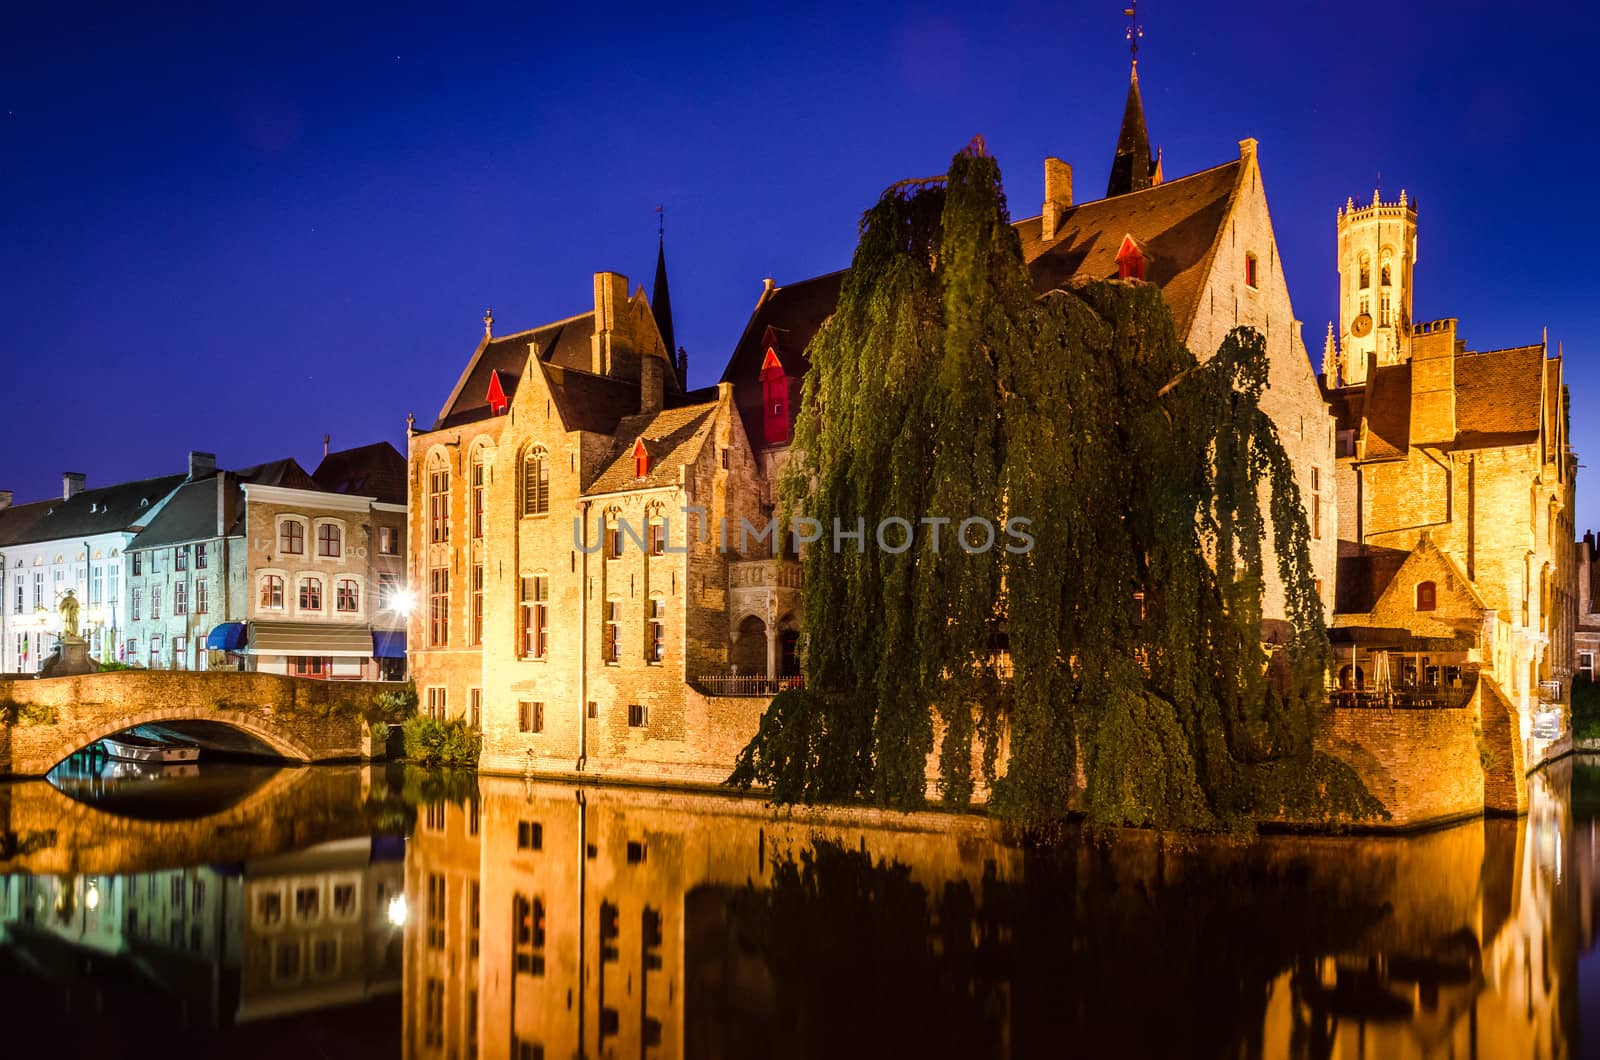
(260, 728)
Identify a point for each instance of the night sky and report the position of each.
(236, 233)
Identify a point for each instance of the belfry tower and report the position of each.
(1377, 253)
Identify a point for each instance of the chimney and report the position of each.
(652, 373)
(6, 497)
(201, 464)
(610, 302)
(71, 484)
(1433, 383)
(326, 440)
(683, 368)
(1057, 196)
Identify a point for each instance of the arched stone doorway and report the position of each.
(750, 647)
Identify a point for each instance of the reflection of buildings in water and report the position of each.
(555, 921)
(581, 912)
(1475, 956)
(289, 933)
(1583, 855)
(443, 918)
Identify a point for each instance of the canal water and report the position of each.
(378, 912)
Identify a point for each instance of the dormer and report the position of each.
(496, 397)
(1130, 260)
(641, 460)
(774, 393)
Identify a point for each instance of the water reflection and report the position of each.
(396, 911)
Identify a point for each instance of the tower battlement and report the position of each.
(1404, 207)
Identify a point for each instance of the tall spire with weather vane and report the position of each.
(660, 297)
(1131, 167)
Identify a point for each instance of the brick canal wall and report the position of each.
(1423, 765)
(296, 718)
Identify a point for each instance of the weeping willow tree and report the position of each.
(944, 389)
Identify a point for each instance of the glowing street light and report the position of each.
(398, 910)
(403, 601)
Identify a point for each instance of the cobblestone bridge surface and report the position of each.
(297, 719)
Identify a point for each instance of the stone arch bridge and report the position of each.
(297, 719)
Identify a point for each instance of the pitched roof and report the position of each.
(191, 514)
(589, 402)
(564, 343)
(673, 437)
(1498, 396)
(1361, 577)
(90, 511)
(1131, 168)
(377, 470)
(1387, 411)
(1175, 224)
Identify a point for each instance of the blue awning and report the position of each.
(226, 636)
(388, 644)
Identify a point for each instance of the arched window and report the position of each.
(330, 541)
(1427, 596)
(348, 595)
(1383, 277)
(292, 537)
(1366, 272)
(271, 592)
(438, 499)
(535, 482)
(311, 594)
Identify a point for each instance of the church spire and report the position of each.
(1131, 166)
(660, 297)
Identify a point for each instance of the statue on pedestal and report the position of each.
(69, 617)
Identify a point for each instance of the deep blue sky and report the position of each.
(236, 232)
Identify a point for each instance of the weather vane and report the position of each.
(661, 222)
(1135, 31)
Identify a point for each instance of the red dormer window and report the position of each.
(641, 459)
(497, 395)
(774, 399)
(1130, 260)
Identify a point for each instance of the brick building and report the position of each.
(574, 608)
(1456, 494)
(1586, 607)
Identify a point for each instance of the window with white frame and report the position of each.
(330, 540)
(271, 592)
(202, 596)
(348, 595)
(311, 594)
(292, 537)
(180, 598)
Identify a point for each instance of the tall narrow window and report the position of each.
(1316, 503)
(155, 601)
(475, 629)
(613, 549)
(134, 599)
(292, 537)
(180, 557)
(1250, 270)
(656, 650)
(329, 540)
(202, 596)
(1384, 275)
(475, 709)
(527, 934)
(438, 607)
(200, 556)
(438, 502)
(436, 908)
(657, 537)
(530, 716)
(535, 482)
(138, 568)
(477, 494)
(388, 541)
(611, 646)
(180, 598)
(535, 616)
(1366, 272)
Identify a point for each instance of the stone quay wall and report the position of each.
(299, 719)
(1423, 765)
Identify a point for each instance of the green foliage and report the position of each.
(397, 703)
(112, 665)
(380, 732)
(431, 742)
(943, 386)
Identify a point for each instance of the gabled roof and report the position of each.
(191, 514)
(1361, 577)
(589, 402)
(672, 437)
(91, 511)
(1176, 226)
(377, 470)
(1387, 412)
(564, 343)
